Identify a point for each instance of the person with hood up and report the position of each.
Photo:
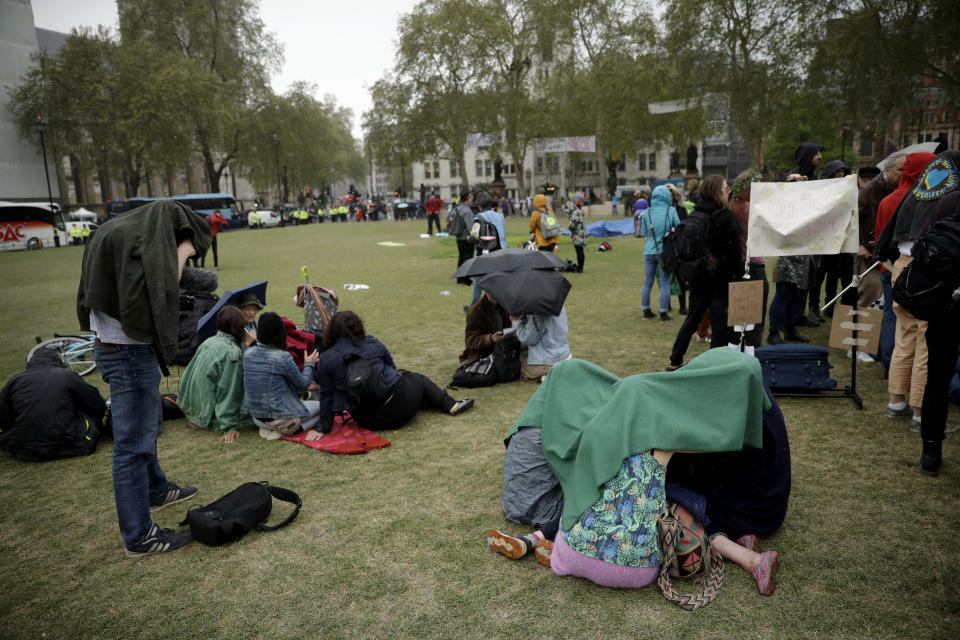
(654, 223)
(540, 208)
(908, 364)
(793, 272)
(129, 295)
(48, 411)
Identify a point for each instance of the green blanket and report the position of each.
(591, 420)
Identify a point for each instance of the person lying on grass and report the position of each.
(402, 393)
(608, 441)
(211, 392)
(273, 384)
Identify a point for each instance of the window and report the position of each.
(866, 144)
(652, 161)
(487, 168)
(622, 165)
(539, 164)
(426, 170)
(642, 162)
(587, 166)
(479, 167)
(906, 140)
(454, 168)
(436, 169)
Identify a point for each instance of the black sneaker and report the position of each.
(649, 314)
(461, 406)
(173, 495)
(930, 465)
(159, 541)
(664, 317)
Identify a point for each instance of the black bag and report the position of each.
(926, 297)
(245, 508)
(502, 365)
(484, 234)
(364, 386)
(454, 221)
(685, 248)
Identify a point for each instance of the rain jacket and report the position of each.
(211, 392)
(662, 216)
(912, 167)
(804, 156)
(130, 271)
(49, 412)
(540, 206)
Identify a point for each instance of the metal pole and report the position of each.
(276, 159)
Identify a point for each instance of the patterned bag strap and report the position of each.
(669, 526)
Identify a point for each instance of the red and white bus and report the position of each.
(31, 226)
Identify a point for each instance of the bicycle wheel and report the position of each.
(76, 352)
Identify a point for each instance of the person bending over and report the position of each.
(546, 341)
(211, 392)
(273, 384)
(403, 393)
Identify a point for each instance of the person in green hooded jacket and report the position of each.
(211, 393)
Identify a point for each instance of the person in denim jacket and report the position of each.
(273, 383)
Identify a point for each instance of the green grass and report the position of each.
(391, 544)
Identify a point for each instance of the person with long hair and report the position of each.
(405, 392)
(211, 392)
(724, 264)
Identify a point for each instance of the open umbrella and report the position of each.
(508, 260)
(928, 147)
(207, 325)
(539, 291)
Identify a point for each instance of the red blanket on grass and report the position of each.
(347, 438)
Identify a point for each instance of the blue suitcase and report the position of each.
(795, 366)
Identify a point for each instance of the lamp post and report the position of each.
(844, 133)
(276, 159)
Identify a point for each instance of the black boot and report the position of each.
(931, 458)
(649, 314)
(774, 338)
(790, 333)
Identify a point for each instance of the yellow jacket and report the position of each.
(540, 205)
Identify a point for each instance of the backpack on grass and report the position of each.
(685, 248)
(244, 509)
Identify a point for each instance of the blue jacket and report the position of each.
(331, 375)
(496, 220)
(545, 337)
(273, 383)
(662, 216)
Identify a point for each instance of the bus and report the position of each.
(27, 225)
(202, 203)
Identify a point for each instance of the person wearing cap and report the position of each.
(249, 306)
(273, 384)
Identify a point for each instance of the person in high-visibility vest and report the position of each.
(254, 220)
(84, 233)
(74, 234)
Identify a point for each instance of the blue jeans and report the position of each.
(782, 308)
(888, 330)
(134, 378)
(650, 265)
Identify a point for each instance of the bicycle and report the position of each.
(75, 351)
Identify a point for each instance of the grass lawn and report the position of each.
(392, 543)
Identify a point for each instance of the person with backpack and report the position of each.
(459, 223)
(273, 384)
(544, 228)
(654, 223)
(715, 228)
(356, 373)
(488, 233)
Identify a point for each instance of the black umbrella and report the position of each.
(508, 260)
(537, 291)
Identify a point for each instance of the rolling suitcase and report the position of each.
(795, 366)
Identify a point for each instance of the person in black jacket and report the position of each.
(724, 265)
(49, 412)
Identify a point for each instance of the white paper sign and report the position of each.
(562, 145)
(802, 218)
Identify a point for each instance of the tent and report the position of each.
(83, 214)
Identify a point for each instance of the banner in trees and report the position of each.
(806, 217)
(563, 145)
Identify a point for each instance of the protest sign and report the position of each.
(803, 218)
(865, 321)
(745, 302)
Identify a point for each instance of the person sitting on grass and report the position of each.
(211, 392)
(273, 384)
(250, 306)
(546, 340)
(403, 392)
(609, 441)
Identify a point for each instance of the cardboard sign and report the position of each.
(745, 304)
(800, 218)
(867, 323)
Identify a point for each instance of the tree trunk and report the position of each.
(461, 156)
(211, 171)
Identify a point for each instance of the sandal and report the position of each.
(765, 572)
(674, 367)
(750, 542)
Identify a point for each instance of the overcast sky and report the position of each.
(341, 47)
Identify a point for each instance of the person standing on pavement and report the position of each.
(129, 296)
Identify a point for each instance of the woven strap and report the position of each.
(711, 584)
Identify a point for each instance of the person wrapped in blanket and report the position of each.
(273, 384)
(608, 442)
(211, 392)
(405, 392)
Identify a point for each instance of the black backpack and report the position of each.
(685, 247)
(245, 508)
(484, 234)
(454, 221)
(365, 387)
(929, 286)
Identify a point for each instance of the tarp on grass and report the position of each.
(608, 228)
